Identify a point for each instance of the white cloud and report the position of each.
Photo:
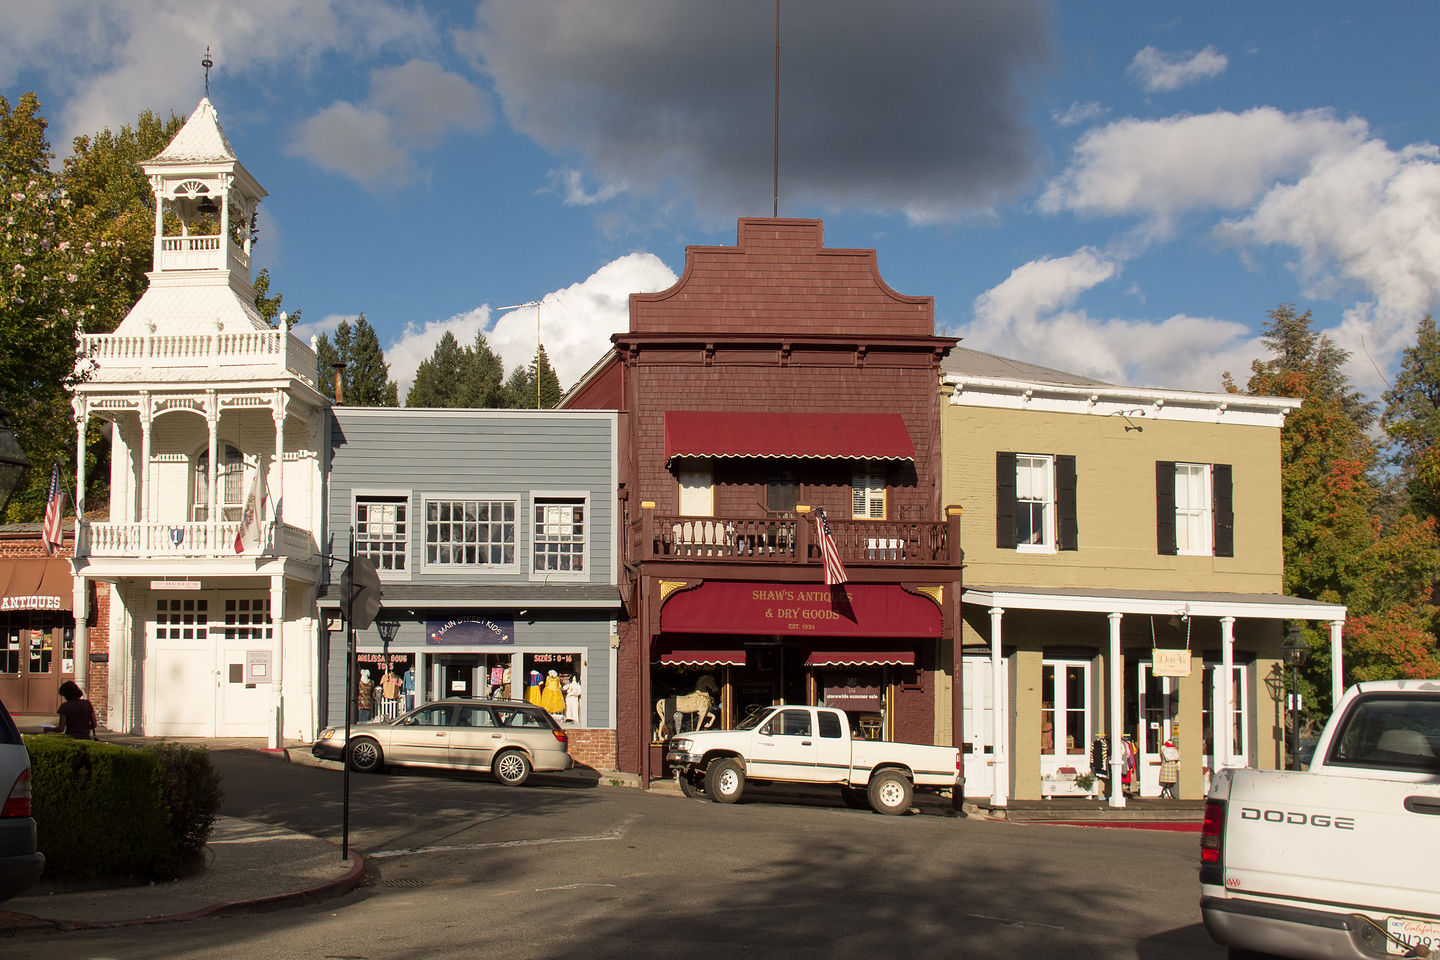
(1161, 168)
(135, 51)
(575, 323)
(571, 185)
(410, 106)
(1078, 113)
(1029, 316)
(1161, 72)
(325, 325)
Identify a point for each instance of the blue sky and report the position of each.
(1118, 189)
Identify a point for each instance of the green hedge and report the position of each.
(105, 810)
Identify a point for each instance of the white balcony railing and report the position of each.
(200, 540)
(278, 348)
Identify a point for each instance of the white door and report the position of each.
(1240, 715)
(1066, 716)
(241, 631)
(180, 695)
(978, 725)
(1159, 699)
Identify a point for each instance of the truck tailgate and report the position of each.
(1334, 839)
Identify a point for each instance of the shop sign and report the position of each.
(174, 584)
(30, 603)
(257, 666)
(859, 610)
(852, 694)
(1170, 663)
(469, 632)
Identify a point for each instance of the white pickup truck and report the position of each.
(1339, 861)
(798, 744)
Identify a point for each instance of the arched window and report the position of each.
(231, 479)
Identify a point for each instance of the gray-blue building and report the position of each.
(493, 533)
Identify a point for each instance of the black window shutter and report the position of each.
(1069, 533)
(1224, 489)
(1165, 507)
(1005, 501)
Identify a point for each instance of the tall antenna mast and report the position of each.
(207, 63)
(775, 210)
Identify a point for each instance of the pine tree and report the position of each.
(1412, 420)
(438, 379)
(365, 380)
(521, 389)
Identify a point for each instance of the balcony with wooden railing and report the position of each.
(202, 540)
(793, 540)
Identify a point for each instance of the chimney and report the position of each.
(339, 382)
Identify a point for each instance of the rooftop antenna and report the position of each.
(775, 210)
(207, 63)
(536, 304)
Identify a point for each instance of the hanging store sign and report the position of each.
(1170, 663)
(174, 584)
(469, 632)
(851, 610)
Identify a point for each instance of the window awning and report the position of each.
(702, 658)
(35, 585)
(861, 658)
(835, 436)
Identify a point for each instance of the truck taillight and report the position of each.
(1211, 867)
(17, 804)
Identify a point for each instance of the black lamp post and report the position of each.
(1295, 650)
(13, 462)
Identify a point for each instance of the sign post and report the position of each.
(360, 591)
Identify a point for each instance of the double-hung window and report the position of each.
(1194, 509)
(470, 532)
(559, 535)
(1035, 505)
(382, 532)
(868, 491)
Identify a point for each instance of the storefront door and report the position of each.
(978, 727)
(457, 679)
(1065, 716)
(1159, 699)
(1239, 716)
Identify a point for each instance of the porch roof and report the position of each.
(1264, 606)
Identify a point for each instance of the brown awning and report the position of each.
(35, 585)
(692, 657)
(861, 658)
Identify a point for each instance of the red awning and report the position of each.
(703, 658)
(837, 436)
(861, 658)
(35, 585)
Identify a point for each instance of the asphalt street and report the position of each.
(463, 867)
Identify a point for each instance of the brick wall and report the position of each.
(593, 748)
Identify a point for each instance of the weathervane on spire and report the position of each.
(207, 63)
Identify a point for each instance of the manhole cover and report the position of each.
(405, 882)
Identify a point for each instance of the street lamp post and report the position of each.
(1296, 650)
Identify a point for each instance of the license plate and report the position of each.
(1415, 933)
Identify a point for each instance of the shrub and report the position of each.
(105, 810)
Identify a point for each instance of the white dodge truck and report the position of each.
(813, 745)
(1339, 861)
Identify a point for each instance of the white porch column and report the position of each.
(77, 604)
(141, 499)
(213, 497)
(279, 411)
(999, 716)
(1337, 671)
(1117, 710)
(277, 660)
(1225, 710)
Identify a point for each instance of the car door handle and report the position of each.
(496, 736)
(1430, 805)
(806, 743)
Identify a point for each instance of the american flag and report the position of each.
(52, 533)
(834, 569)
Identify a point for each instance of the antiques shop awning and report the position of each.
(35, 585)
(696, 657)
(861, 658)
(837, 436)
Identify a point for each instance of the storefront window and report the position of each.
(553, 681)
(860, 693)
(41, 651)
(386, 683)
(692, 691)
(10, 651)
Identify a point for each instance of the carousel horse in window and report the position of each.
(700, 703)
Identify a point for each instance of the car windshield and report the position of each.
(753, 721)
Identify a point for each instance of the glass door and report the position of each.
(1240, 708)
(1065, 717)
(978, 725)
(1159, 699)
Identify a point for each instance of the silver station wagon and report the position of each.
(510, 738)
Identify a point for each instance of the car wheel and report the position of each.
(512, 768)
(688, 787)
(890, 793)
(725, 781)
(365, 755)
(854, 797)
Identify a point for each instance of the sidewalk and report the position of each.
(250, 867)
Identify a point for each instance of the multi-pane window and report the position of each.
(1192, 508)
(230, 477)
(868, 491)
(247, 618)
(1064, 708)
(382, 531)
(182, 619)
(559, 535)
(697, 489)
(1034, 502)
(470, 532)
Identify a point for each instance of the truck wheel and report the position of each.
(688, 787)
(725, 781)
(890, 793)
(854, 797)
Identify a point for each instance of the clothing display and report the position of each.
(390, 685)
(572, 690)
(532, 692)
(551, 698)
